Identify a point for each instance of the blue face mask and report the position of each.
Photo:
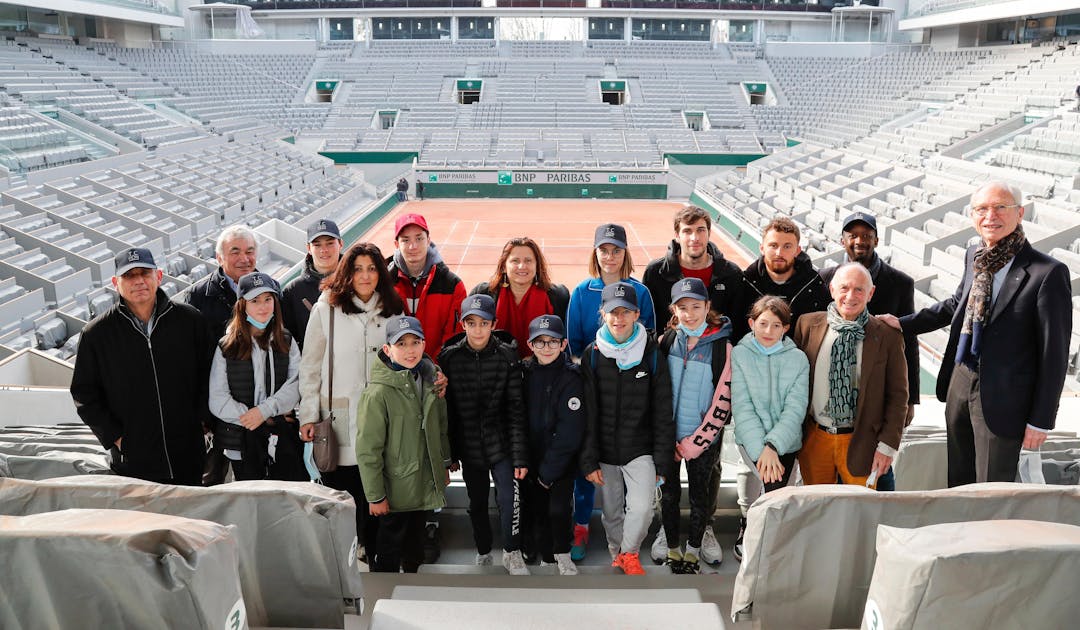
(694, 332)
(773, 349)
(259, 325)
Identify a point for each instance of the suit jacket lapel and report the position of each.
(813, 348)
(1013, 282)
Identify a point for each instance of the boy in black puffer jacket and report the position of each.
(554, 397)
(487, 426)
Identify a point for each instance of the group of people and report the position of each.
(553, 393)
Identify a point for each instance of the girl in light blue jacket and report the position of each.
(770, 381)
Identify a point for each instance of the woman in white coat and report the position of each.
(360, 296)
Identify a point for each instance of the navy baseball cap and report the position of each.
(861, 216)
(691, 288)
(480, 304)
(323, 227)
(256, 283)
(619, 294)
(610, 233)
(132, 258)
(400, 325)
(550, 325)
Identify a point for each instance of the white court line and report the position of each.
(641, 243)
(468, 243)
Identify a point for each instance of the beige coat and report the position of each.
(357, 339)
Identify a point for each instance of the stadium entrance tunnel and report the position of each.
(613, 92)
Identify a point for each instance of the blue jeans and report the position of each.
(584, 500)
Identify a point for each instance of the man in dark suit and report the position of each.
(858, 386)
(894, 292)
(1010, 322)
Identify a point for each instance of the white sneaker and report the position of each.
(659, 548)
(566, 565)
(484, 559)
(710, 549)
(514, 563)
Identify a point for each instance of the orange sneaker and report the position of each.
(629, 563)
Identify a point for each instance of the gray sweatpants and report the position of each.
(627, 495)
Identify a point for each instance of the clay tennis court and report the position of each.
(471, 233)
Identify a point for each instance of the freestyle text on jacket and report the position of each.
(149, 390)
(805, 291)
(1025, 343)
(894, 293)
(769, 396)
(484, 401)
(554, 400)
(402, 447)
(725, 286)
(628, 411)
(298, 298)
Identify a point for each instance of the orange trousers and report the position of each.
(824, 457)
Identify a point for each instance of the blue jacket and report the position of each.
(769, 396)
(583, 315)
(692, 380)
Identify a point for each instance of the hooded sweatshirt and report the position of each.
(434, 297)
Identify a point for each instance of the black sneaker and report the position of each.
(676, 565)
(690, 567)
(738, 548)
(431, 543)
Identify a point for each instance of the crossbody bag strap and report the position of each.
(331, 344)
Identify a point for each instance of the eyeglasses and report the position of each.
(982, 211)
(539, 344)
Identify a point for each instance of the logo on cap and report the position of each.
(403, 324)
(686, 285)
(620, 292)
(545, 323)
(322, 225)
(133, 256)
(476, 303)
(257, 281)
(610, 232)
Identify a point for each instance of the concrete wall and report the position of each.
(258, 46)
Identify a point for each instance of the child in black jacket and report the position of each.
(487, 426)
(554, 400)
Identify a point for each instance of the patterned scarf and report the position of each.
(843, 381)
(988, 261)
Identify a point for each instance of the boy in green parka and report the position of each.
(402, 446)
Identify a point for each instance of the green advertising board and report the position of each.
(756, 88)
(325, 86)
(613, 86)
(469, 84)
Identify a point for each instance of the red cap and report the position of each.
(406, 220)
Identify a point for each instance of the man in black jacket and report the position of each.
(691, 254)
(301, 293)
(141, 377)
(215, 296)
(783, 270)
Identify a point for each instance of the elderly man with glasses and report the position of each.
(1010, 322)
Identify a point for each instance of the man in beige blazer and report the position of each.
(858, 385)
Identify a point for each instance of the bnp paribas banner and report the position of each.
(531, 177)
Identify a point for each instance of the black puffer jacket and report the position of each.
(484, 401)
(554, 400)
(298, 298)
(628, 411)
